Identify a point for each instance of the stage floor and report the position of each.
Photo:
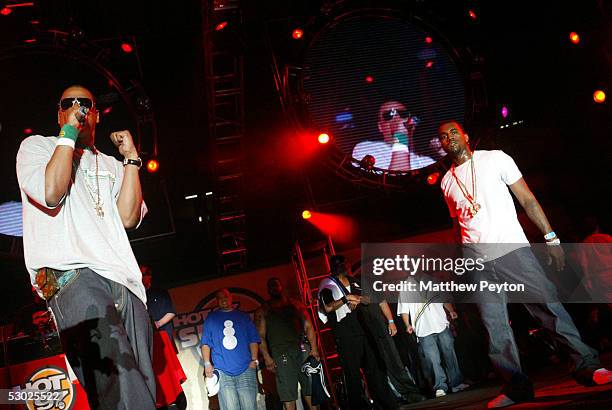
(555, 389)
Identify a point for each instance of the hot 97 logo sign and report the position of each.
(49, 388)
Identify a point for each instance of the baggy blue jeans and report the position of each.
(521, 266)
(437, 347)
(238, 392)
(107, 337)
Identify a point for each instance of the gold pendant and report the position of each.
(99, 211)
(474, 208)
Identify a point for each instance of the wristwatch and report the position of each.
(129, 161)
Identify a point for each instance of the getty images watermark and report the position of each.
(484, 273)
(422, 264)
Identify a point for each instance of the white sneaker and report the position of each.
(460, 387)
(500, 401)
(602, 376)
(440, 393)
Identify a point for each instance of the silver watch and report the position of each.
(129, 161)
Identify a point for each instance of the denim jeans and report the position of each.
(435, 348)
(522, 266)
(107, 337)
(238, 392)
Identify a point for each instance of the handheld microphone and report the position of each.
(413, 120)
(81, 114)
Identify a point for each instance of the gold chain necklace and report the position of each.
(474, 206)
(98, 205)
(95, 198)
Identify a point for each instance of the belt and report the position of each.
(50, 281)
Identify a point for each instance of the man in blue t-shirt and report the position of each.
(230, 343)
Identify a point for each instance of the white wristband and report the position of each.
(554, 242)
(397, 147)
(65, 141)
(550, 235)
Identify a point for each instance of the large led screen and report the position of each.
(381, 86)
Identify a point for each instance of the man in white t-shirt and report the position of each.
(77, 204)
(436, 342)
(396, 151)
(476, 191)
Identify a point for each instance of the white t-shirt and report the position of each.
(72, 235)
(381, 151)
(431, 320)
(496, 222)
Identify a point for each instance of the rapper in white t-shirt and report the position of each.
(477, 191)
(77, 205)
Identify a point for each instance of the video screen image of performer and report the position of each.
(77, 205)
(477, 191)
(396, 151)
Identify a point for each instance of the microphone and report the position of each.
(81, 114)
(412, 120)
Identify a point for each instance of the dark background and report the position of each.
(563, 145)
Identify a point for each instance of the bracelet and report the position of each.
(391, 321)
(68, 131)
(256, 361)
(554, 242)
(550, 235)
(344, 300)
(207, 364)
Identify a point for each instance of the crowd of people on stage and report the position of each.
(78, 203)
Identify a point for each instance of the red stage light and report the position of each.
(306, 214)
(107, 110)
(221, 26)
(27, 131)
(127, 47)
(428, 40)
(297, 34)
(369, 79)
(599, 96)
(574, 37)
(152, 166)
(433, 178)
(30, 40)
(5, 11)
(341, 228)
(323, 138)
(429, 64)
(472, 14)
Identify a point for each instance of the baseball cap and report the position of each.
(212, 383)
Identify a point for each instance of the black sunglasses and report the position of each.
(66, 103)
(393, 112)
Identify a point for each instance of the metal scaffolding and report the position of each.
(224, 61)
